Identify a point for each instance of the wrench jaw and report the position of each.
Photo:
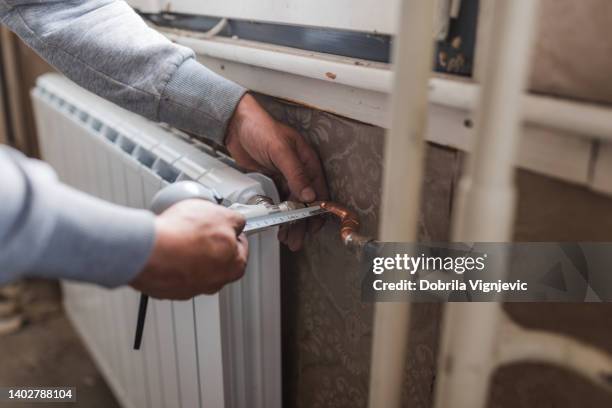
(291, 205)
(260, 200)
(281, 207)
(279, 216)
(261, 213)
(349, 221)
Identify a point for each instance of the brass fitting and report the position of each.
(269, 203)
(290, 205)
(260, 200)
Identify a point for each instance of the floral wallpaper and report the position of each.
(327, 330)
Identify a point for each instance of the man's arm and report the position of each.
(50, 230)
(104, 46)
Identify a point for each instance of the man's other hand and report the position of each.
(199, 247)
(259, 143)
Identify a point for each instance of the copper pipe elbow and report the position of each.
(349, 228)
(349, 223)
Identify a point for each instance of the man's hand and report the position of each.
(199, 247)
(259, 143)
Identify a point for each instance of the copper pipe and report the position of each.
(349, 223)
(349, 227)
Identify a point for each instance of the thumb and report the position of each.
(292, 168)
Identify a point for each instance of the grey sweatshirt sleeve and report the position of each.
(104, 46)
(50, 230)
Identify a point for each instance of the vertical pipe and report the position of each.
(14, 95)
(5, 134)
(485, 204)
(403, 170)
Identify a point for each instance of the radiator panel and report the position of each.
(212, 351)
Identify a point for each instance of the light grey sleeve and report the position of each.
(104, 46)
(50, 230)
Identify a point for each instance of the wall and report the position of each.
(573, 55)
(327, 329)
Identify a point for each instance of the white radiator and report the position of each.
(213, 351)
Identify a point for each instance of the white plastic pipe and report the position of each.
(485, 204)
(333, 69)
(403, 175)
(578, 117)
(519, 344)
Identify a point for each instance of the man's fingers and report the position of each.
(315, 224)
(242, 254)
(311, 161)
(237, 221)
(295, 235)
(320, 185)
(282, 234)
(287, 161)
(243, 248)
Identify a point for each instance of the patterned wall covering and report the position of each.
(327, 330)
